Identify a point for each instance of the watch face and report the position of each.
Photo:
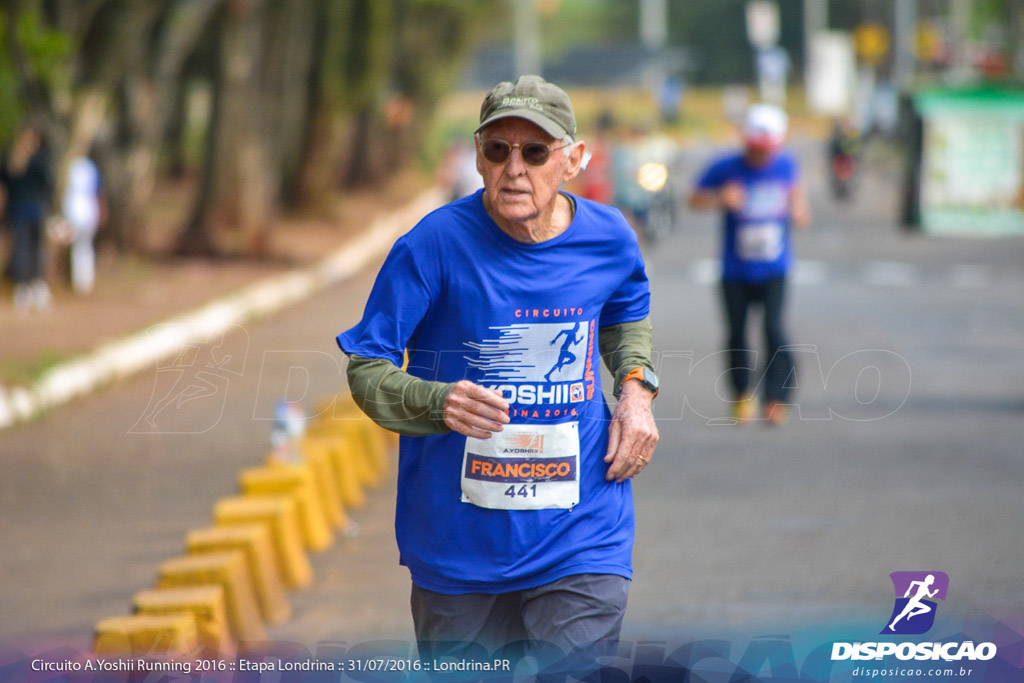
(641, 374)
(645, 377)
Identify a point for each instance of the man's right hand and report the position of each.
(473, 410)
(732, 197)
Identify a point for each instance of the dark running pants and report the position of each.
(738, 298)
(27, 255)
(565, 624)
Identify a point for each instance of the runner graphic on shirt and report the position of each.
(565, 356)
(532, 352)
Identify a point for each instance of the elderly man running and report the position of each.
(515, 511)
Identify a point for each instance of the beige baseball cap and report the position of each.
(534, 99)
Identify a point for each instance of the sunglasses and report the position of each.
(534, 153)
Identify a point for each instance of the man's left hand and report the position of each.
(632, 435)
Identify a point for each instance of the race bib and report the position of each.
(523, 467)
(761, 242)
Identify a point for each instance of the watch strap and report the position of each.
(639, 374)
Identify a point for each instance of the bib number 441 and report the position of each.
(523, 491)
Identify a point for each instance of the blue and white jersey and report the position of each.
(531, 504)
(755, 240)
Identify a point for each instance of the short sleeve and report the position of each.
(399, 301)
(793, 170)
(713, 177)
(631, 301)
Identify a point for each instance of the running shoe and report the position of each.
(776, 413)
(745, 409)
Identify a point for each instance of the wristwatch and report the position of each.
(644, 376)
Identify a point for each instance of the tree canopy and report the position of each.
(300, 97)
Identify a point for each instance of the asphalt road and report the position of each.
(904, 452)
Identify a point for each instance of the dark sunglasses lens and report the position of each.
(535, 153)
(496, 151)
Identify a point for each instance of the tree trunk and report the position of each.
(119, 48)
(153, 87)
(327, 130)
(372, 44)
(237, 200)
(289, 70)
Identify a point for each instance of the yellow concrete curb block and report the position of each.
(206, 603)
(170, 635)
(366, 436)
(319, 458)
(230, 571)
(361, 464)
(343, 407)
(377, 448)
(280, 515)
(254, 541)
(346, 468)
(295, 481)
(341, 467)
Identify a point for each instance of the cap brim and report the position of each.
(548, 125)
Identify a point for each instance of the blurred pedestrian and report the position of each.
(844, 148)
(670, 99)
(83, 209)
(27, 181)
(595, 180)
(759, 193)
(642, 165)
(515, 511)
(845, 139)
(458, 171)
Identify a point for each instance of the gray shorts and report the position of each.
(574, 613)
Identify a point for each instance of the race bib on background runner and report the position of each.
(523, 467)
(760, 242)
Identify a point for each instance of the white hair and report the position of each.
(567, 151)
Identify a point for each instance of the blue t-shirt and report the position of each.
(469, 302)
(756, 240)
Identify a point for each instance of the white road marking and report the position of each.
(806, 272)
(890, 274)
(970, 277)
(705, 271)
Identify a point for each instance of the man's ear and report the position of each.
(579, 149)
(476, 150)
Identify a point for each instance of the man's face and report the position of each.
(759, 155)
(515, 190)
